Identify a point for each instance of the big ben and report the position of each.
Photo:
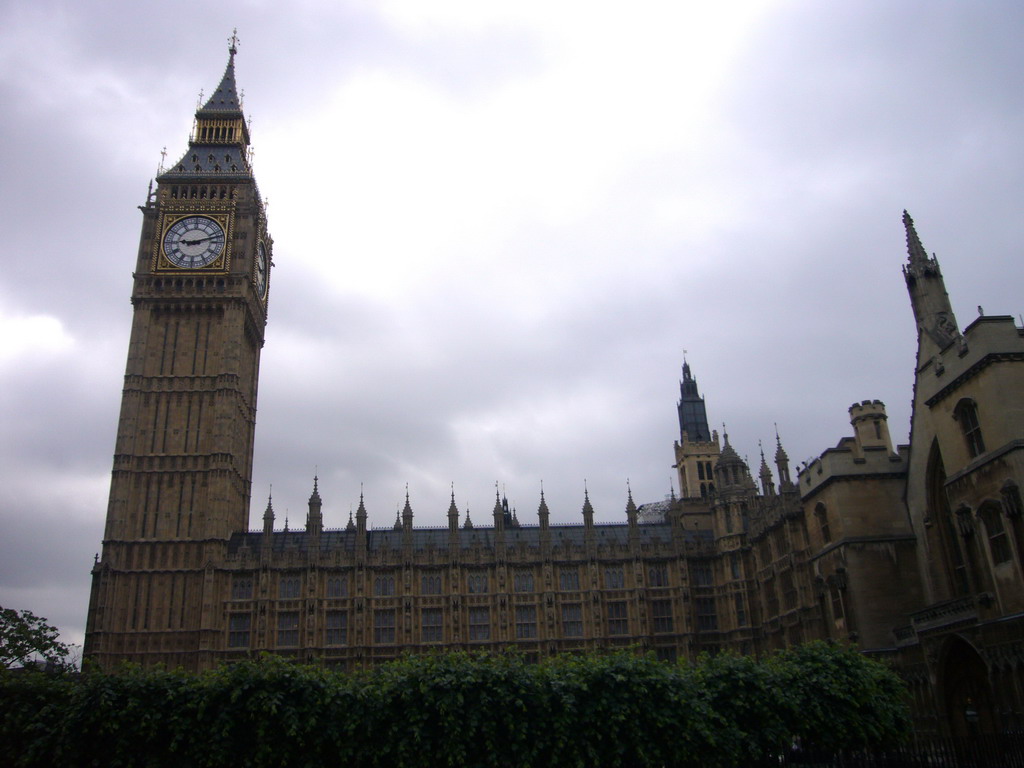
(183, 457)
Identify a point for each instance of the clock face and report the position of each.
(194, 242)
(261, 270)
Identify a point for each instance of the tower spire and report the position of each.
(693, 417)
(936, 324)
(915, 250)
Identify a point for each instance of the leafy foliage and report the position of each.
(25, 636)
(615, 711)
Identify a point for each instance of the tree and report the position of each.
(25, 636)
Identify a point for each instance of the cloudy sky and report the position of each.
(498, 226)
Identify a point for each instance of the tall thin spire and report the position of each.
(315, 519)
(767, 483)
(631, 510)
(915, 249)
(407, 511)
(453, 512)
(936, 324)
(268, 517)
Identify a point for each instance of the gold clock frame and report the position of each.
(225, 217)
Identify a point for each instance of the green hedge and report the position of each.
(456, 709)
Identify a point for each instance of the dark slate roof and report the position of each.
(218, 160)
(224, 101)
(382, 539)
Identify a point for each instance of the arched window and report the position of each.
(384, 586)
(966, 413)
(1011, 500)
(941, 515)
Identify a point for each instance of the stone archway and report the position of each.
(965, 691)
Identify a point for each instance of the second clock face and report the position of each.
(261, 270)
(194, 242)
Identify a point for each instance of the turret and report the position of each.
(588, 524)
(544, 516)
(767, 484)
(315, 520)
(361, 530)
(697, 449)
(499, 512)
(632, 520)
(782, 464)
(588, 509)
(731, 472)
(407, 526)
(453, 526)
(407, 513)
(870, 425)
(268, 524)
(453, 514)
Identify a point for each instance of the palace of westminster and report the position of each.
(914, 552)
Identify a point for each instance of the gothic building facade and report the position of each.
(912, 552)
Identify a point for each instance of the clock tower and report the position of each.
(183, 457)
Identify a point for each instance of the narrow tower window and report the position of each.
(966, 413)
(823, 527)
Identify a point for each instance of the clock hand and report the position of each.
(197, 242)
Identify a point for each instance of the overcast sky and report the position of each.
(497, 228)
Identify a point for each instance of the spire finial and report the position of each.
(233, 42)
(915, 249)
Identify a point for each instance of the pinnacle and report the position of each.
(915, 249)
